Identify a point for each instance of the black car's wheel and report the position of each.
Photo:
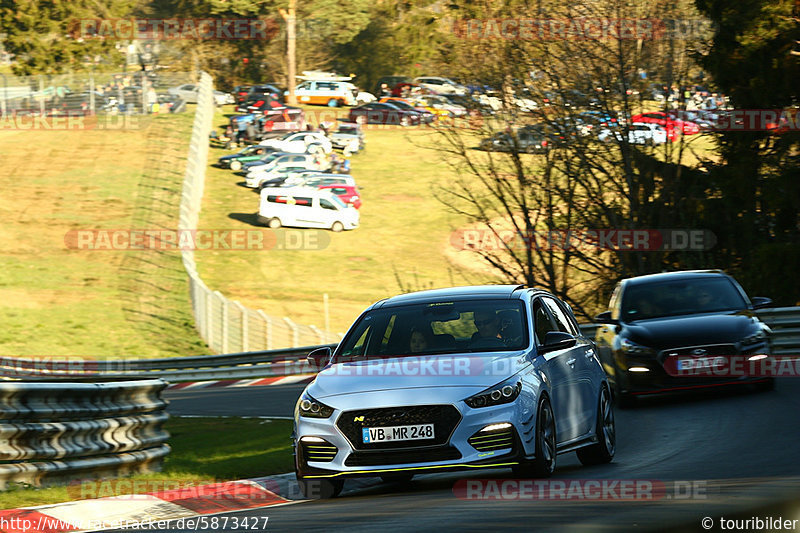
(320, 489)
(236, 165)
(274, 223)
(399, 477)
(545, 462)
(606, 431)
(337, 227)
(333, 103)
(404, 121)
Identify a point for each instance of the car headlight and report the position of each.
(632, 348)
(501, 393)
(311, 408)
(756, 338)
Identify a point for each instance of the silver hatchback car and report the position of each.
(461, 378)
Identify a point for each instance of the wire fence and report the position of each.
(227, 325)
(101, 93)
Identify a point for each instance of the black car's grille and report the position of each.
(322, 452)
(486, 441)
(443, 417)
(396, 457)
(700, 351)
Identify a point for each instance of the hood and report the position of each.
(470, 371)
(692, 330)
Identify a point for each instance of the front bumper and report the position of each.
(353, 459)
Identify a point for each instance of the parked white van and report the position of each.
(304, 207)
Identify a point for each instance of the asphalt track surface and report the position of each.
(739, 449)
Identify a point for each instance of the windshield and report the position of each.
(437, 328)
(683, 297)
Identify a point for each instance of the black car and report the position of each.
(522, 141)
(662, 322)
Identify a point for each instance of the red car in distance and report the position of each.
(346, 193)
(675, 127)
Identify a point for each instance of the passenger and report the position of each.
(419, 340)
(488, 325)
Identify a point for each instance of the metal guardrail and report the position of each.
(52, 432)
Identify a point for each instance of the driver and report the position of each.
(488, 325)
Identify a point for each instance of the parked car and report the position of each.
(425, 115)
(528, 141)
(257, 173)
(439, 105)
(441, 85)
(638, 133)
(300, 142)
(349, 134)
(349, 194)
(188, 92)
(245, 155)
(384, 113)
(319, 179)
(675, 127)
(287, 177)
(305, 208)
(529, 386)
(326, 92)
(660, 321)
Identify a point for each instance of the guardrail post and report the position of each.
(295, 332)
(245, 340)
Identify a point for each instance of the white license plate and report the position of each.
(397, 433)
(701, 363)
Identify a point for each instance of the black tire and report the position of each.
(333, 102)
(320, 489)
(544, 464)
(399, 477)
(606, 431)
(236, 165)
(337, 227)
(404, 121)
(274, 223)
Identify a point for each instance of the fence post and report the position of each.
(295, 332)
(245, 341)
(267, 329)
(224, 302)
(209, 318)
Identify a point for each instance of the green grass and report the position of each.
(98, 304)
(204, 450)
(404, 233)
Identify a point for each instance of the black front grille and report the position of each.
(444, 418)
(322, 452)
(487, 441)
(396, 457)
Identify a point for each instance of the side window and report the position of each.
(562, 320)
(542, 322)
(360, 344)
(615, 300)
(325, 204)
(303, 201)
(305, 86)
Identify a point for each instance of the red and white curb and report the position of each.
(153, 510)
(258, 382)
(142, 511)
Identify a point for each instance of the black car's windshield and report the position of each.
(680, 297)
(438, 328)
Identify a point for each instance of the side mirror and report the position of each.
(605, 318)
(760, 302)
(318, 358)
(557, 340)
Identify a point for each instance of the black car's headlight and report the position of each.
(630, 347)
(501, 393)
(756, 338)
(311, 408)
